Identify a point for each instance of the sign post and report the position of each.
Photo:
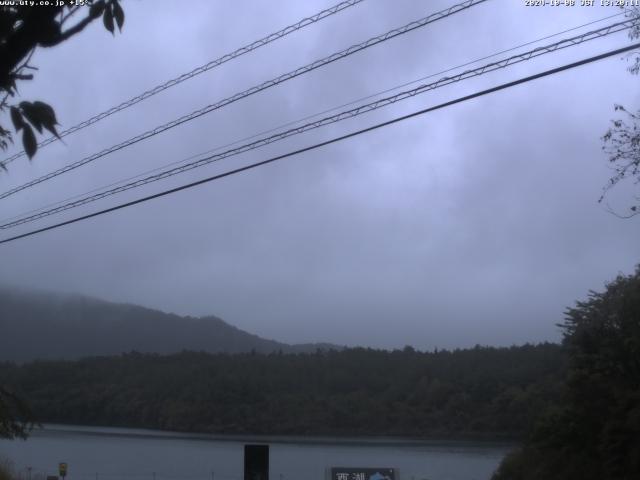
(256, 462)
(62, 469)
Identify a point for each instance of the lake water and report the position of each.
(94, 453)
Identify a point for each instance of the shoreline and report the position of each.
(355, 440)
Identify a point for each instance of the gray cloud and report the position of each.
(474, 224)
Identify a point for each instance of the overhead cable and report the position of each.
(360, 110)
(328, 142)
(251, 91)
(196, 71)
(308, 117)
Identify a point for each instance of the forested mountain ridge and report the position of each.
(480, 392)
(39, 325)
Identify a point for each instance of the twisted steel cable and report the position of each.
(272, 37)
(315, 146)
(308, 117)
(354, 112)
(251, 91)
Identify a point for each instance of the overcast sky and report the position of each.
(475, 224)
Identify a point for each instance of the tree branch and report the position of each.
(77, 28)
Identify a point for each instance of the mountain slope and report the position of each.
(36, 325)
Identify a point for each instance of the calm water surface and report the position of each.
(94, 453)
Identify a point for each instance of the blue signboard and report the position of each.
(350, 473)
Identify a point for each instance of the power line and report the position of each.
(333, 119)
(308, 117)
(272, 37)
(369, 107)
(331, 141)
(253, 90)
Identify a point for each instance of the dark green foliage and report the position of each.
(595, 432)
(622, 140)
(15, 416)
(23, 28)
(622, 145)
(479, 392)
